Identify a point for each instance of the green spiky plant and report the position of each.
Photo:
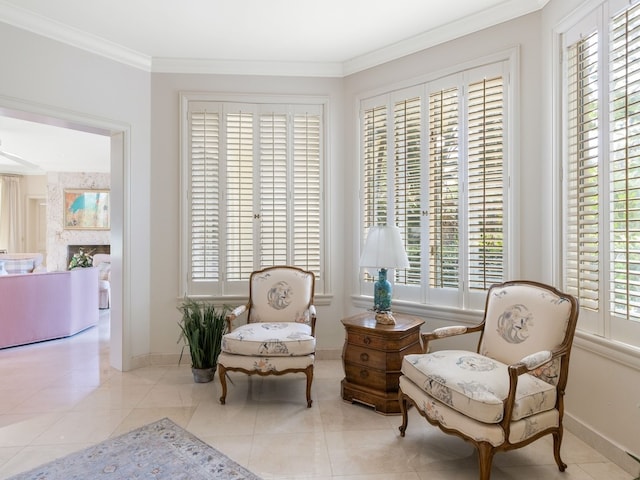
(637, 460)
(201, 329)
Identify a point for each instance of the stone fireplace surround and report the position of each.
(58, 237)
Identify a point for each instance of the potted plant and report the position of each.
(81, 259)
(201, 329)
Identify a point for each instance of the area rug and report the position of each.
(160, 450)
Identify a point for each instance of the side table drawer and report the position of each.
(366, 357)
(372, 378)
(370, 341)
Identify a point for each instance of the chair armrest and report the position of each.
(535, 360)
(312, 317)
(233, 314)
(445, 332)
(525, 365)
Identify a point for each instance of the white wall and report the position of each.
(165, 194)
(48, 78)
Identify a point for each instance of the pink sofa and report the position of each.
(44, 306)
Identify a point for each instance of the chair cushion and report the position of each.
(519, 430)
(278, 339)
(22, 265)
(476, 385)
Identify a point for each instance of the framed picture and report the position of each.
(86, 210)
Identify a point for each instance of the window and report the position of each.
(602, 185)
(434, 163)
(252, 176)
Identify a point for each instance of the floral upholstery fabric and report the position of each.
(449, 418)
(264, 364)
(524, 320)
(280, 339)
(281, 295)
(476, 385)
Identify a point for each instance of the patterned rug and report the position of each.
(160, 450)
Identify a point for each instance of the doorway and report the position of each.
(36, 225)
(119, 138)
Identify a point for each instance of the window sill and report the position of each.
(436, 314)
(235, 300)
(619, 352)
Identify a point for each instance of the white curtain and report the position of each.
(10, 213)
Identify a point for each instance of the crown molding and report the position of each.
(459, 28)
(54, 30)
(247, 67)
(41, 25)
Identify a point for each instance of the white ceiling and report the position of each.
(42, 148)
(273, 37)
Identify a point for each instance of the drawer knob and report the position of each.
(364, 357)
(364, 373)
(367, 340)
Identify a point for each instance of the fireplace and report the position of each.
(89, 249)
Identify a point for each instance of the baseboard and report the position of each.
(174, 358)
(602, 444)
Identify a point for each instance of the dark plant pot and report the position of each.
(203, 375)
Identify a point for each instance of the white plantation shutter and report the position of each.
(307, 153)
(239, 258)
(444, 172)
(290, 176)
(253, 176)
(407, 133)
(434, 163)
(485, 184)
(582, 249)
(374, 170)
(624, 146)
(602, 189)
(374, 167)
(273, 189)
(205, 195)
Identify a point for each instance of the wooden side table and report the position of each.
(372, 357)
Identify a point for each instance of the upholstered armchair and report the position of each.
(510, 391)
(103, 262)
(279, 336)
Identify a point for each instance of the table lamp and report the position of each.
(383, 250)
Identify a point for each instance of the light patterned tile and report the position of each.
(74, 399)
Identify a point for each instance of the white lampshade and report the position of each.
(384, 249)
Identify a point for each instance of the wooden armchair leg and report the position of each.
(222, 371)
(485, 458)
(557, 441)
(309, 373)
(402, 400)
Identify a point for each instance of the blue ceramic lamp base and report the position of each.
(382, 299)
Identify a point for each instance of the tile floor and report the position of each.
(58, 397)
